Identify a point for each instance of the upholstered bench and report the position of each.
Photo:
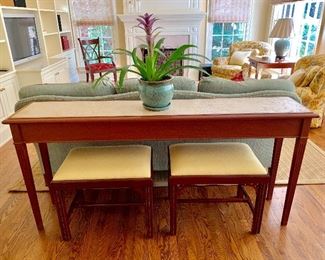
(103, 167)
(213, 164)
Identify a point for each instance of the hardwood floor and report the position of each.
(205, 231)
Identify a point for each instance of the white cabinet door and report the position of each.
(8, 99)
(48, 78)
(4, 129)
(3, 104)
(57, 74)
(62, 75)
(73, 73)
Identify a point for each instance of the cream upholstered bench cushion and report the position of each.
(107, 162)
(214, 159)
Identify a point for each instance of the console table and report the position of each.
(44, 122)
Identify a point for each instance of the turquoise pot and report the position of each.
(156, 95)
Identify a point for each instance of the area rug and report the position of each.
(313, 165)
(312, 170)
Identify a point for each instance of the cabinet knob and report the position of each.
(2, 89)
(56, 74)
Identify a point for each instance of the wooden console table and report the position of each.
(45, 122)
(260, 63)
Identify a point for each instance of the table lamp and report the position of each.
(283, 29)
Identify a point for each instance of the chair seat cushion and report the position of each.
(214, 159)
(106, 162)
(226, 71)
(100, 67)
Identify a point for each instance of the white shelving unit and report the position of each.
(55, 64)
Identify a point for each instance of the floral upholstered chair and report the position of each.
(309, 79)
(228, 67)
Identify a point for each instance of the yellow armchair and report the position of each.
(221, 66)
(309, 78)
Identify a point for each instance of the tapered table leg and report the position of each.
(26, 169)
(298, 155)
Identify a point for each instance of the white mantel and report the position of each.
(180, 21)
(192, 17)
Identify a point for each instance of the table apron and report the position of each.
(157, 130)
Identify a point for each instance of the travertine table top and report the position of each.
(219, 106)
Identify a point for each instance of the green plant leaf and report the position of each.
(197, 55)
(123, 72)
(175, 56)
(122, 51)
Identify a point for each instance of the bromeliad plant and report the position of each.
(150, 69)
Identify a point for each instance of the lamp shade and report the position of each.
(283, 28)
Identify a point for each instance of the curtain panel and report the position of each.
(277, 2)
(90, 12)
(229, 11)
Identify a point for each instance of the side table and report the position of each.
(261, 63)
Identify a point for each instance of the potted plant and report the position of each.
(156, 88)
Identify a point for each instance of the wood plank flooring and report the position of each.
(205, 231)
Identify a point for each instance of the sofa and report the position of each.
(309, 79)
(228, 67)
(184, 89)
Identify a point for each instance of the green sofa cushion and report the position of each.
(224, 86)
(130, 85)
(81, 89)
(184, 83)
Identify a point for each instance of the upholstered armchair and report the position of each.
(228, 67)
(309, 79)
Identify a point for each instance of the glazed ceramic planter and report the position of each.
(156, 95)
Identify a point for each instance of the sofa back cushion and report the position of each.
(67, 89)
(224, 86)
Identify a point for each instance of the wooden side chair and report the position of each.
(94, 60)
(214, 164)
(103, 168)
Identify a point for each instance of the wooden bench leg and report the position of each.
(240, 193)
(149, 210)
(62, 215)
(259, 207)
(172, 203)
(274, 167)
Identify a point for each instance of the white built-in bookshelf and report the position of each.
(49, 32)
(53, 65)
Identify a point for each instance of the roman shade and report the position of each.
(229, 11)
(89, 12)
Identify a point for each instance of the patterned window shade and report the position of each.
(277, 2)
(90, 12)
(229, 11)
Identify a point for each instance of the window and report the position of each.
(228, 23)
(307, 16)
(89, 22)
(104, 32)
(224, 34)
